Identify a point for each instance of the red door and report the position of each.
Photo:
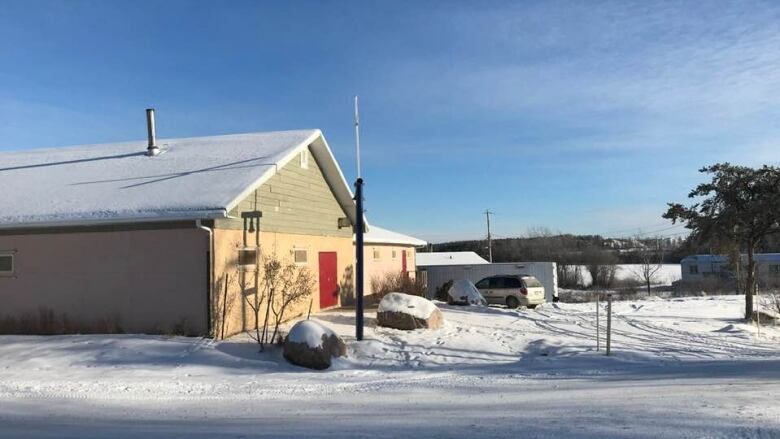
(403, 261)
(329, 284)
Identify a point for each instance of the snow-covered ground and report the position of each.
(682, 368)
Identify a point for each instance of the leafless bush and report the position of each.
(569, 275)
(603, 275)
(296, 286)
(442, 292)
(226, 291)
(399, 282)
(771, 301)
(602, 266)
(280, 284)
(650, 263)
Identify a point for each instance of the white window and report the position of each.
(6, 264)
(300, 256)
(247, 258)
(376, 254)
(305, 159)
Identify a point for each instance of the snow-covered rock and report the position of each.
(764, 317)
(403, 311)
(313, 345)
(463, 292)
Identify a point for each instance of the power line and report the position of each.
(633, 228)
(676, 226)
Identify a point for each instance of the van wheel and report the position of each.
(512, 302)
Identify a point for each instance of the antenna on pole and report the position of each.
(357, 136)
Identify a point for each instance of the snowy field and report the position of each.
(665, 276)
(682, 368)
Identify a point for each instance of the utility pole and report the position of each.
(490, 241)
(358, 234)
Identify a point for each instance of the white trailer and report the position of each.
(438, 275)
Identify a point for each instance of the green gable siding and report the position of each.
(294, 200)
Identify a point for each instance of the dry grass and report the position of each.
(397, 282)
(46, 322)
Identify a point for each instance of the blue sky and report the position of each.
(582, 117)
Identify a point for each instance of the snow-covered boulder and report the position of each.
(463, 292)
(313, 345)
(764, 317)
(402, 311)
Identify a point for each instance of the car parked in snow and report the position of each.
(512, 290)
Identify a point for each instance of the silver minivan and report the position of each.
(512, 290)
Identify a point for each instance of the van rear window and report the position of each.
(531, 282)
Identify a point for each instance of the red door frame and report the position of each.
(403, 261)
(329, 283)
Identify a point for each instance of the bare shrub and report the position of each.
(603, 275)
(569, 275)
(397, 282)
(280, 285)
(602, 266)
(650, 263)
(296, 286)
(442, 292)
(226, 291)
(771, 301)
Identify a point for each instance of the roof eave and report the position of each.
(190, 216)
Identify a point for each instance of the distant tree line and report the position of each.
(572, 249)
(595, 254)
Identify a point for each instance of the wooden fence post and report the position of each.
(609, 323)
(598, 340)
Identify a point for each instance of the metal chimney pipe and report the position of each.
(152, 149)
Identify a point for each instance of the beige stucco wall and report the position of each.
(239, 316)
(299, 211)
(145, 281)
(386, 263)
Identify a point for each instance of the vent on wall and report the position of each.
(305, 159)
(6, 264)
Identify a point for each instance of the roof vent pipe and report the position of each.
(152, 149)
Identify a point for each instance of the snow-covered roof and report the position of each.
(449, 258)
(379, 235)
(192, 178)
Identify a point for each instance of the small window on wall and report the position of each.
(693, 269)
(247, 258)
(300, 256)
(305, 159)
(774, 270)
(394, 254)
(376, 253)
(6, 264)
